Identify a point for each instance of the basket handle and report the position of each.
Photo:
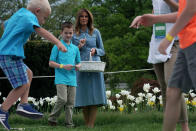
(90, 57)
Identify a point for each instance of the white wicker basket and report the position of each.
(92, 66)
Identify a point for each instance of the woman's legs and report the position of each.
(85, 111)
(92, 116)
(89, 113)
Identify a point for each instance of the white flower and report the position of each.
(36, 103)
(153, 99)
(109, 102)
(31, 99)
(4, 98)
(190, 91)
(119, 102)
(48, 99)
(112, 107)
(132, 104)
(19, 99)
(121, 106)
(148, 95)
(53, 100)
(136, 109)
(146, 87)
(41, 101)
(192, 95)
(117, 96)
(138, 100)
(160, 97)
(0, 93)
(156, 90)
(161, 102)
(124, 92)
(141, 94)
(108, 94)
(130, 97)
(186, 99)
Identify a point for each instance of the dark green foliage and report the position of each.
(37, 59)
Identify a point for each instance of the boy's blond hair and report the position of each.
(42, 4)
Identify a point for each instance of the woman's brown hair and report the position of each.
(90, 21)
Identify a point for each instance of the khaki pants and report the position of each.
(163, 72)
(65, 97)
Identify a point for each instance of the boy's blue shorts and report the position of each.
(14, 69)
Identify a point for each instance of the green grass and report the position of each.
(106, 121)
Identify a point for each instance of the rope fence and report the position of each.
(116, 72)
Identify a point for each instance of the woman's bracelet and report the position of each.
(61, 66)
(169, 37)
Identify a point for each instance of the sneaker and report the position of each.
(4, 119)
(27, 110)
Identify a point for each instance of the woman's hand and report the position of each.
(93, 51)
(82, 43)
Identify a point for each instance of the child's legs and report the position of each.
(159, 71)
(172, 109)
(178, 82)
(24, 97)
(71, 92)
(168, 68)
(61, 101)
(16, 72)
(13, 96)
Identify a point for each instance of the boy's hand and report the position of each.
(77, 67)
(68, 67)
(61, 47)
(163, 46)
(136, 22)
(144, 20)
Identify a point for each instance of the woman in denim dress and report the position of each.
(90, 92)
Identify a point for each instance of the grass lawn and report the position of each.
(106, 121)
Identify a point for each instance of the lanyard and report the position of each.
(160, 28)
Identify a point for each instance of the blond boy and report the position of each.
(17, 29)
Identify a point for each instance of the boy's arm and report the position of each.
(54, 64)
(181, 22)
(166, 18)
(47, 35)
(150, 19)
(172, 4)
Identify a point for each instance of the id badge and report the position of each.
(160, 30)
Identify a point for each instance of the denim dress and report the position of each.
(91, 86)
